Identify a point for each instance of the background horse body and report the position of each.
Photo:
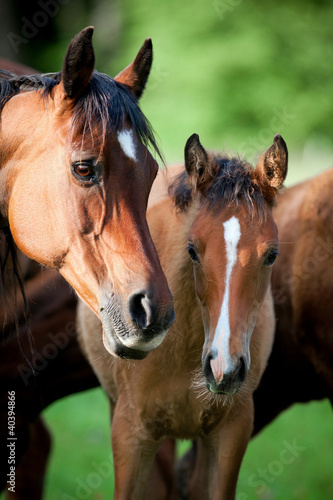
(187, 387)
(40, 371)
(302, 285)
(75, 179)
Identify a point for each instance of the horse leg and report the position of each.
(219, 457)
(133, 453)
(234, 436)
(30, 471)
(192, 472)
(161, 484)
(184, 469)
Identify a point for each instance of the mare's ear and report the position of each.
(273, 164)
(197, 163)
(78, 64)
(135, 76)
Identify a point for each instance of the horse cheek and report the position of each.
(34, 231)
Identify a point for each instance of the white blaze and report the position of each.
(126, 141)
(232, 234)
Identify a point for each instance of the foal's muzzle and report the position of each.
(232, 379)
(134, 332)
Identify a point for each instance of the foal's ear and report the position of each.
(197, 163)
(274, 163)
(78, 64)
(135, 76)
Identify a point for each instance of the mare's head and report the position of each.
(75, 178)
(233, 243)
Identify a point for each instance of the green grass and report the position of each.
(80, 466)
(307, 429)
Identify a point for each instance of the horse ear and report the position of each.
(135, 76)
(196, 162)
(274, 163)
(78, 64)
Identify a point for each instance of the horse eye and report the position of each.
(271, 257)
(85, 171)
(192, 253)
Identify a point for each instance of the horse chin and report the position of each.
(125, 341)
(219, 389)
(118, 349)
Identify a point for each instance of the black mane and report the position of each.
(232, 181)
(105, 104)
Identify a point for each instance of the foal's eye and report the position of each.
(192, 253)
(270, 258)
(85, 171)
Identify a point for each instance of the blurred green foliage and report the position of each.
(234, 71)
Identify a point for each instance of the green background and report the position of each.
(81, 428)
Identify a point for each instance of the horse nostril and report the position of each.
(241, 370)
(207, 369)
(140, 309)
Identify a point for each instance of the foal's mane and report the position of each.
(104, 104)
(230, 180)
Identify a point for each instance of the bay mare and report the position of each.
(217, 242)
(75, 178)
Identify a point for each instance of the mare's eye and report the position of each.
(85, 171)
(270, 258)
(192, 253)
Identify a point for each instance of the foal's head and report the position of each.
(233, 244)
(77, 175)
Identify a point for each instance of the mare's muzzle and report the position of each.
(142, 326)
